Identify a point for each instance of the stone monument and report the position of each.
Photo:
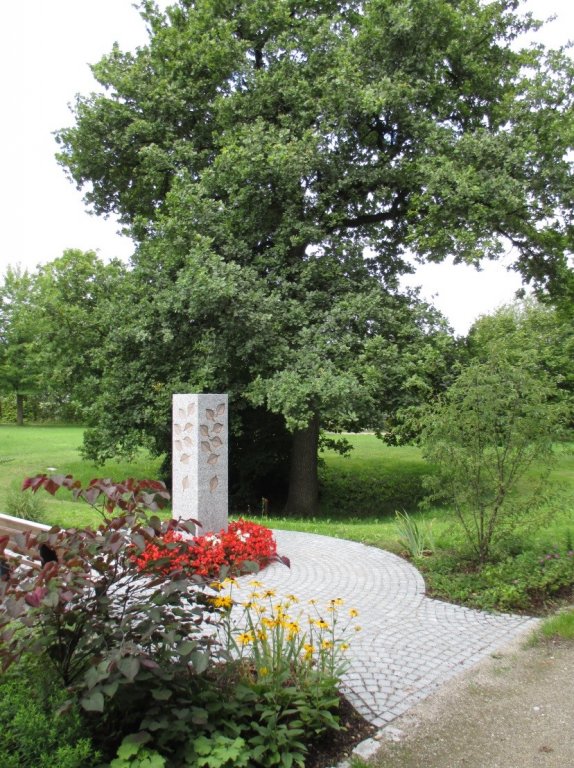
(200, 461)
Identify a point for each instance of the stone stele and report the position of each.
(200, 461)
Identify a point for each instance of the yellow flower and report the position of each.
(353, 613)
(261, 635)
(255, 583)
(269, 593)
(292, 630)
(336, 601)
(222, 601)
(344, 646)
(357, 628)
(229, 581)
(312, 602)
(321, 623)
(293, 598)
(263, 671)
(269, 623)
(326, 644)
(309, 650)
(244, 638)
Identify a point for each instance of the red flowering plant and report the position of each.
(245, 546)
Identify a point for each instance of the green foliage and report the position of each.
(494, 423)
(34, 733)
(218, 751)
(531, 581)
(53, 323)
(132, 753)
(533, 332)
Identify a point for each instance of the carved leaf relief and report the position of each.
(204, 429)
(216, 442)
(190, 409)
(213, 483)
(178, 445)
(205, 446)
(217, 427)
(188, 426)
(177, 429)
(185, 483)
(220, 409)
(185, 458)
(210, 413)
(188, 441)
(213, 458)
(181, 413)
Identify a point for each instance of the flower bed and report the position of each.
(243, 543)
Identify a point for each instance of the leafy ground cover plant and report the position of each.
(531, 581)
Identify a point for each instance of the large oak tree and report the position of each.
(276, 160)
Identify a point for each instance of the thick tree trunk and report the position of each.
(20, 410)
(303, 496)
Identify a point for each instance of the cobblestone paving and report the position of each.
(409, 644)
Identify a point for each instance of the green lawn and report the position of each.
(32, 450)
(360, 493)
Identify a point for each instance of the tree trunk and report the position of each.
(20, 409)
(303, 496)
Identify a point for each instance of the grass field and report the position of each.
(360, 493)
(31, 450)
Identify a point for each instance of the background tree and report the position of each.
(274, 142)
(537, 332)
(72, 301)
(54, 321)
(19, 374)
(495, 423)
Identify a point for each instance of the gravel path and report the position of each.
(514, 709)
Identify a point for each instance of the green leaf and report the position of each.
(129, 666)
(93, 702)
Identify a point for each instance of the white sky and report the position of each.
(45, 49)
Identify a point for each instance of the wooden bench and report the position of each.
(10, 526)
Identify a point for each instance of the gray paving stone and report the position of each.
(409, 644)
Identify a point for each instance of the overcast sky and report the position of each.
(45, 49)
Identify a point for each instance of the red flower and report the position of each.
(206, 555)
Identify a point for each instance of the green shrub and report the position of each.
(34, 734)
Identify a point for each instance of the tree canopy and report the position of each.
(53, 322)
(278, 160)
